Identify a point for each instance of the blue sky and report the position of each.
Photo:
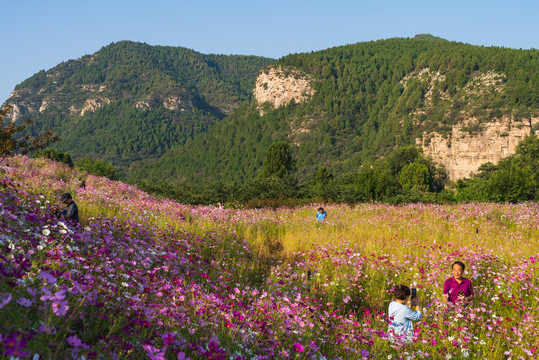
(39, 34)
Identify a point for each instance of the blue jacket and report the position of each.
(321, 216)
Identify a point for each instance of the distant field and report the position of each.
(148, 277)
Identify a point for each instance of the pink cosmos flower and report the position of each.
(182, 356)
(298, 347)
(74, 341)
(14, 345)
(49, 295)
(24, 301)
(168, 338)
(48, 277)
(154, 353)
(59, 307)
(4, 299)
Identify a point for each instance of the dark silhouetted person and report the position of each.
(69, 210)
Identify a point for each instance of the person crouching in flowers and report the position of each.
(401, 330)
(321, 214)
(458, 289)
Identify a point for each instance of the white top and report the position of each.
(400, 322)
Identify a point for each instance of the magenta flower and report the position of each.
(14, 345)
(298, 347)
(168, 338)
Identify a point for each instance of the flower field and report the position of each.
(145, 277)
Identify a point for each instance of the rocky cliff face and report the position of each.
(92, 105)
(462, 152)
(279, 86)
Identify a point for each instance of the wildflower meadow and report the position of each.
(146, 277)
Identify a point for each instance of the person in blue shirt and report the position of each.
(400, 328)
(321, 214)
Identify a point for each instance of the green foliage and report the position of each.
(278, 161)
(98, 167)
(132, 126)
(54, 155)
(12, 143)
(369, 100)
(512, 182)
(322, 176)
(404, 169)
(415, 176)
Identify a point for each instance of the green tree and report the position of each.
(415, 176)
(278, 161)
(97, 167)
(54, 155)
(322, 176)
(10, 144)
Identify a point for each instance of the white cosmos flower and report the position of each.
(46, 232)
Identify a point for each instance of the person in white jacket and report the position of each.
(400, 328)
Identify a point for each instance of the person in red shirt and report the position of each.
(457, 289)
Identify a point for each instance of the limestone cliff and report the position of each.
(279, 86)
(92, 105)
(462, 152)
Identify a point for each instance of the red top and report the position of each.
(453, 288)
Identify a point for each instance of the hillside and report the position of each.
(146, 277)
(356, 103)
(130, 102)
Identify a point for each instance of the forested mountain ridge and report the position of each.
(369, 98)
(196, 115)
(130, 102)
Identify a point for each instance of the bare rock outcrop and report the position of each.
(143, 105)
(177, 103)
(462, 152)
(94, 104)
(279, 86)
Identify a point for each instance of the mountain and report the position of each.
(345, 106)
(173, 113)
(131, 102)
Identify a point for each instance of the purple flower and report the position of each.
(74, 341)
(48, 277)
(46, 329)
(365, 353)
(168, 338)
(182, 356)
(154, 353)
(4, 299)
(14, 345)
(59, 308)
(24, 301)
(57, 296)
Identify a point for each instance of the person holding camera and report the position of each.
(458, 289)
(69, 210)
(400, 328)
